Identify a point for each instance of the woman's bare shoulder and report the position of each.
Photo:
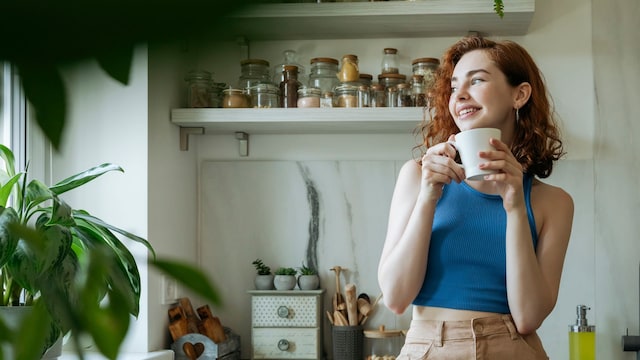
(551, 196)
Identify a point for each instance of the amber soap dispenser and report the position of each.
(582, 337)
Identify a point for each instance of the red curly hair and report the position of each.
(536, 143)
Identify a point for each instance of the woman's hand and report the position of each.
(508, 176)
(439, 168)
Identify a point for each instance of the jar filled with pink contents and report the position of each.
(309, 97)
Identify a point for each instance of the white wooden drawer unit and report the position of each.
(286, 324)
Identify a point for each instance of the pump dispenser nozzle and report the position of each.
(582, 338)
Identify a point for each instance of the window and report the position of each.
(12, 114)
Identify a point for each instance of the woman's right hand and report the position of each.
(439, 168)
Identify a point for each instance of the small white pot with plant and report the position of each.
(264, 277)
(308, 279)
(285, 278)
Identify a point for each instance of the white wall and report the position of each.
(107, 122)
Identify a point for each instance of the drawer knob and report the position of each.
(283, 345)
(283, 312)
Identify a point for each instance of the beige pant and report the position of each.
(489, 338)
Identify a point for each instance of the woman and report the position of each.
(480, 261)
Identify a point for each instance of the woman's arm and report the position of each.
(403, 262)
(533, 278)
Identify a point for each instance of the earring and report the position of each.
(517, 115)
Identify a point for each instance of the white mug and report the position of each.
(469, 143)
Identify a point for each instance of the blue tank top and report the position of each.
(466, 266)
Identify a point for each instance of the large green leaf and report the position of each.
(9, 160)
(82, 178)
(38, 252)
(190, 277)
(7, 188)
(117, 63)
(8, 240)
(122, 271)
(78, 214)
(43, 86)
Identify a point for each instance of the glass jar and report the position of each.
(349, 71)
(253, 72)
(326, 100)
(198, 89)
(404, 95)
(388, 80)
(323, 74)
(363, 96)
(366, 79)
(215, 94)
(418, 95)
(390, 61)
(427, 68)
(382, 344)
(290, 58)
(289, 87)
(309, 97)
(235, 98)
(378, 97)
(265, 96)
(392, 96)
(346, 95)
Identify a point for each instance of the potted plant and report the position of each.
(308, 279)
(264, 277)
(68, 265)
(285, 278)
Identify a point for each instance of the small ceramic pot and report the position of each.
(264, 282)
(284, 282)
(308, 282)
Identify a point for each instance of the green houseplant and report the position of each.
(63, 261)
(285, 278)
(264, 277)
(308, 279)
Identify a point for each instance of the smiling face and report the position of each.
(481, 95)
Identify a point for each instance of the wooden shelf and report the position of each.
(380, 19)
(300, 121)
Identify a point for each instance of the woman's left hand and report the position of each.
(508, 176)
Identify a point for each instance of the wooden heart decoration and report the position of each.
(193, 351)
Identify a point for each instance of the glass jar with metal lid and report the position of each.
(390, 61)
(404, 95)
(418, 95)
(235, 98)
(264, 96)
(366, 79)
(323, 74)
(198, 89)
(427, 68)
(378, 97)
(346, 95)
(382, 344)
(253, 72)
(215, 94)
(391, 79)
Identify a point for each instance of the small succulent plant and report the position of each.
(261, 268)
(306, 270)
(286, 271)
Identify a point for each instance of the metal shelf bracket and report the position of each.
(184, 136)
(243, 143)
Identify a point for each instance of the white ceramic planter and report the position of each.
(308, 282)
(264, 282)
(284, 282)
